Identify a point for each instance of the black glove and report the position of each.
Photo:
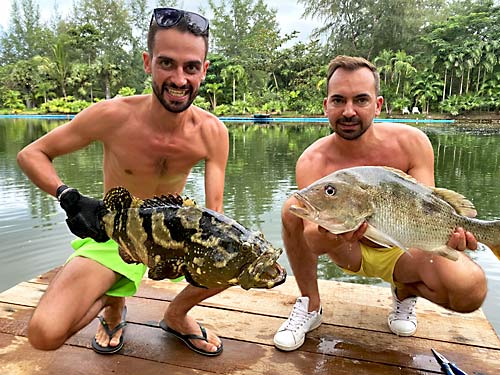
(83, 213)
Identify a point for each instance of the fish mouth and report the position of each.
(306, 210)
(265, 272)
(273, 276)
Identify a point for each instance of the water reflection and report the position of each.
(260, 175)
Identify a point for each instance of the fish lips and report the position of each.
(306, 211)
(264, 272)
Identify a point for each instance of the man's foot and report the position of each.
(113, 316)
(402, 320)
(292, 333)
(207, 342)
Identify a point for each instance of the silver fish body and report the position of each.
(399, 211)
(174, 236)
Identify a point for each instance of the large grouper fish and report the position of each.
(399, 211)
(176, 237)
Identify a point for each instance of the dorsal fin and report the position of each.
(402, 174)
(118, 198)
(462, 205)
(170, 199)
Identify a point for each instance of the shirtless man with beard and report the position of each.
(150, 143)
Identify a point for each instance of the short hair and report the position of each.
(181, 26)
(352, 63)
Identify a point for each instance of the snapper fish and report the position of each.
(175, 237)
(399, 210)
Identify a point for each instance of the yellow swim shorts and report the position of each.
(378, 262)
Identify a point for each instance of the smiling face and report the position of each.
(352, 102)
(177, 66)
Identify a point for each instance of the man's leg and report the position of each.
(177, 319)
(72, 300)
(303, 260)
(456, 285)
(306, 314)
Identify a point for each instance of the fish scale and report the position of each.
(175, 237)
(399, 211)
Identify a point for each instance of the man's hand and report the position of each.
(83, 213)
(461, 240)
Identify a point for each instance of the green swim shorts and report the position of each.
(106, 253)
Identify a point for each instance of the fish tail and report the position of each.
(496, 250)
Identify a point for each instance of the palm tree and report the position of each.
(235, 73)
(61, 67)
(214, 89)
(402, 67)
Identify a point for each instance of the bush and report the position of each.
(64, 105)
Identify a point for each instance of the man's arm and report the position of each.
(215, 168)
(83, 213)
(36, 159)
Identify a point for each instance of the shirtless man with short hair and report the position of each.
(351, 104)
(150, 142)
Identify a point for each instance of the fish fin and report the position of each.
(446, 252)
(190, 279)
(496, 250)
(170, 199)
(382, 239)
(462, 205)
(340, 227)
(118, 198)
(402, 174)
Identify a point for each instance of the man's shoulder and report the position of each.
(206, 119)
(397, 130)
(118, 106)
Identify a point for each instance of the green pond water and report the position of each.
(259, 177)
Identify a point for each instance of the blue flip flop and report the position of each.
(110, 332)
(186, 339)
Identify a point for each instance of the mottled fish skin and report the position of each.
(175, 237)
(400, 211)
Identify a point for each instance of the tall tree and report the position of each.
(364, 28)
(248, 32)
(111, 20)
(26, 35)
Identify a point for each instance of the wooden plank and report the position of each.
(153, 345)
(17, 357)
(354, 330)
(328, 339)
(367, 308)
(348, 305)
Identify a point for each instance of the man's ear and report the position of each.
(146, 60)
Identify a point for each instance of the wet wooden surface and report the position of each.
(354, 338)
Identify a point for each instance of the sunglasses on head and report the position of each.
(169, 17)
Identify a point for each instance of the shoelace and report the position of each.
(297, 318)
(406, 307)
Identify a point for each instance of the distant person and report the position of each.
(150, 144)
(351, 104)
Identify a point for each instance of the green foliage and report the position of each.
(444, 60)
(64, 105)
(12, 101)
(126, 91)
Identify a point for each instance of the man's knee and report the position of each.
(290, 222)
(470, 295)
(45, 334)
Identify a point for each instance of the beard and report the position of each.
(358, 128)
(174, 106)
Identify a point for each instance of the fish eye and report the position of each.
(330, 190)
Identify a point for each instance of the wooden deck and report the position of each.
(353, 339)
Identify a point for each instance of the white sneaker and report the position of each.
(292, 333)
(403, 318)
